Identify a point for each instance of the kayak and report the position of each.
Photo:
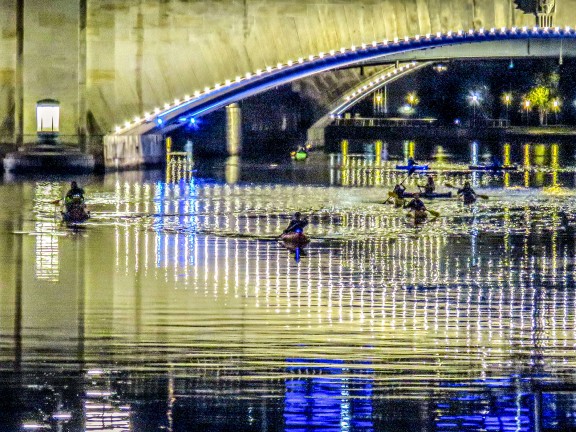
(299, 155)
(492, 168)
(75, 214)
(295, 238)
(432, 195)
(418, 215)
(414, 167)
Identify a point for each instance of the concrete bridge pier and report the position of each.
(234, 129)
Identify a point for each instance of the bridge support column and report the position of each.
(233, 129)
(378, 153)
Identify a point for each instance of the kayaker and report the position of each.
(467, 193)
(75, 194)
(411, 164)
(430, 186)
(297, 224)
(417, 206)
(399, 190)
(398, 196)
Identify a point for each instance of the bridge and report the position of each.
(128, 72)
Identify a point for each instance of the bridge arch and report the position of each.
(233, 90)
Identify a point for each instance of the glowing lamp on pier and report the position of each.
(47, 120)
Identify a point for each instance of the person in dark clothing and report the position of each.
(417, 206)
(397, 195)
(467, 193)
(411, 164)
(297, 224)
(430, 186)
(75, 191)
(74, 195)
(399, 190)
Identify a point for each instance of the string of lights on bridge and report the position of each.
(231, 90)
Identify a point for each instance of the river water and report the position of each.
(176, 308)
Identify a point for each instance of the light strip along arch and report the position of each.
(359, 92)
(372, 84)
(262, 80)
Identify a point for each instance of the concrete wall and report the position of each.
(7, 69)
(138, 54)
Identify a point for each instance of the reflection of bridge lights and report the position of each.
(412, 285)
(47, 253)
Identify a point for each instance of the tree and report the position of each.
(412, 99)
(539, 98)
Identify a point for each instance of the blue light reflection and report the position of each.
(328, 397)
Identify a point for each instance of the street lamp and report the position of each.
(47, 120)
(412, 99)
(474, 101)
(507, 101)
(527, 108)
(556, 108)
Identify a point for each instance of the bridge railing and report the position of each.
(497, 123)
(412, 122)
(384, 122)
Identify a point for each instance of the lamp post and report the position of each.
(556, 108)
(474, 101)
(413, 100)
(507, 100)
(48, 121)
(527, 108)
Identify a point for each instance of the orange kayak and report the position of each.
(295, 238)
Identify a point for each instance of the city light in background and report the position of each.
(474, 101)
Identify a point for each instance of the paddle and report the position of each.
(485, 197)
(434, 213)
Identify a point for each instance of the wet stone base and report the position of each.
(53, 160)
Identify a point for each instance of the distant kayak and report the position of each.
(295, 238)
(414, 167)
(433, 195)
(493, 168)
(299, 155)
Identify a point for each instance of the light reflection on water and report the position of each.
(176, 301)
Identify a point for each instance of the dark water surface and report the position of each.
(175, 307)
